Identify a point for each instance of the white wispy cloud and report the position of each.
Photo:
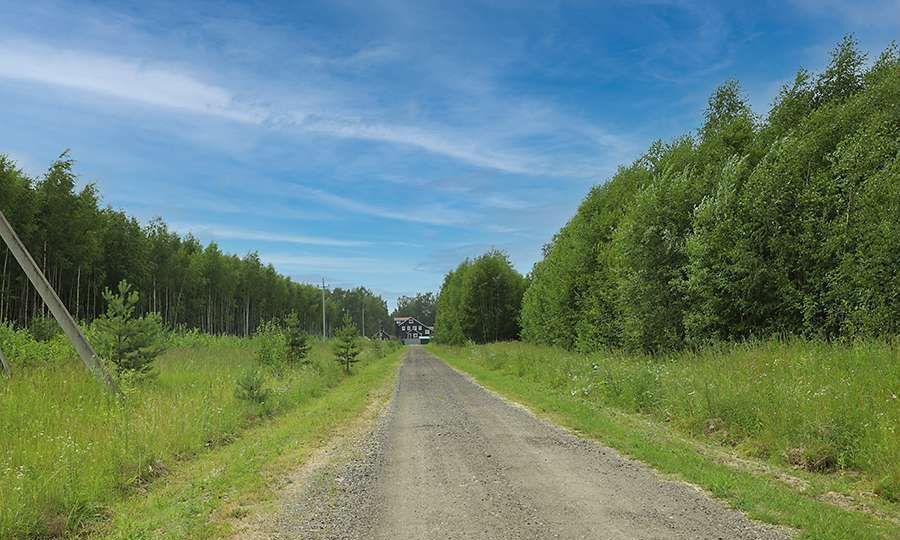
(177, 88)
(236, 233)
(504, 202)
(127, 79)
(468, 151)
(305, 263)
(432, 214)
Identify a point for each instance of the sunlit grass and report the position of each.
(202, 497)
(828, 408)
(67, 449)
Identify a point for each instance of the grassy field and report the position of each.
(796, 433)
(206, 497)
(69, 451)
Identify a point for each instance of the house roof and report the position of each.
(400, 320)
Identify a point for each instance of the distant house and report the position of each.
(412, 331)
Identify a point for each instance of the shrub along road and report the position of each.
(448, 459)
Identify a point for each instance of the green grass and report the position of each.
(705, 416)
(68, 450)
(201, 498)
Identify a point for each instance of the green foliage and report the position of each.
(68, 451)
(184, 504)
(355, 302)
(422, 307)
(251, 387)
(572, 299)
(272, 345)
(346, 347)
(84, 248)
(44, 328)
(298, 345)
(811, 404)
(601, 396)
(22, 350)
(780, 226)
(480, 301)
(129, 341)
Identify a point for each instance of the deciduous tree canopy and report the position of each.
(421, 306)
(753, 227)
(480, 301)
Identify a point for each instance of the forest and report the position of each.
(739, 286)
(84, 248)
(480, 301)
(421, 306)
(785, 225)
(752, 227)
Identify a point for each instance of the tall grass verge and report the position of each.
(68, 449)
(819, 406)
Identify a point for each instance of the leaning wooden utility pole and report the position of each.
(57, 308)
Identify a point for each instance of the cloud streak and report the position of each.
(235, 233)
(304, 263)
(132, 80)
(430, 214)
(164, 86)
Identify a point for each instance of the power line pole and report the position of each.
(323, 309)
(6, 370)
(364, 319)
(57, 308)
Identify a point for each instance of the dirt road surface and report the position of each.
(447, 459)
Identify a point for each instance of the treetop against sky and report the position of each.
(381, 143)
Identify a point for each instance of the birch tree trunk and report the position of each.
(78, 293)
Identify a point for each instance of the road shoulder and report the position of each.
(227, 491)
(746, 489)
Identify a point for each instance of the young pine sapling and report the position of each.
(130, 342)
(297, 340)
(346, 348)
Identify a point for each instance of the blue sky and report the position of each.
(380, 143)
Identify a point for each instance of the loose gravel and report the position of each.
(447, 459)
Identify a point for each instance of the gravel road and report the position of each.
(448, 459)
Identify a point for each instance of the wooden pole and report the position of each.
(3, 361)
(57, 308)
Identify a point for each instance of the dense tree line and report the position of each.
(367, 311)
(480, 301)
(84, 248)
(787, 224)
(421, 306)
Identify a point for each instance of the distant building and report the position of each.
(383, 336)
(411, 331)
